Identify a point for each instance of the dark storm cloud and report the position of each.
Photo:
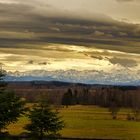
(43, 63)
(123, 62)
(97, 57)
(30, 62)
(22, 24)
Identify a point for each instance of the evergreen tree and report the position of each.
(11, 106)
(67, 98)
(43, 120)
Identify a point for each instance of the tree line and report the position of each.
(102, 97)
(113, 101)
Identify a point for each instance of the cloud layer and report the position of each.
(39, 35)
(34, 26)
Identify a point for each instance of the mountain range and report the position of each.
(74, 76)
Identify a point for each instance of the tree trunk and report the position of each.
(41, 134)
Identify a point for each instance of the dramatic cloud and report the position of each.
(47, 35)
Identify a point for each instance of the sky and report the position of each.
(80, 35)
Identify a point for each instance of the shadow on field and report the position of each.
(7, 136)
(46, 138)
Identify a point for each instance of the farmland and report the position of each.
(90, 122)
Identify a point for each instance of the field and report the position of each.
(90, 122)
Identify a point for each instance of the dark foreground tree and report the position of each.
(44, 120)
(11, 106)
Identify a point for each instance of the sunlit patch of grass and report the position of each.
(18, 127)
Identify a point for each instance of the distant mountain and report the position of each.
(88, 77)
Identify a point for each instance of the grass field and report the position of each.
(90, 122)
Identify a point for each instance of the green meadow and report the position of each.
(90, 122)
